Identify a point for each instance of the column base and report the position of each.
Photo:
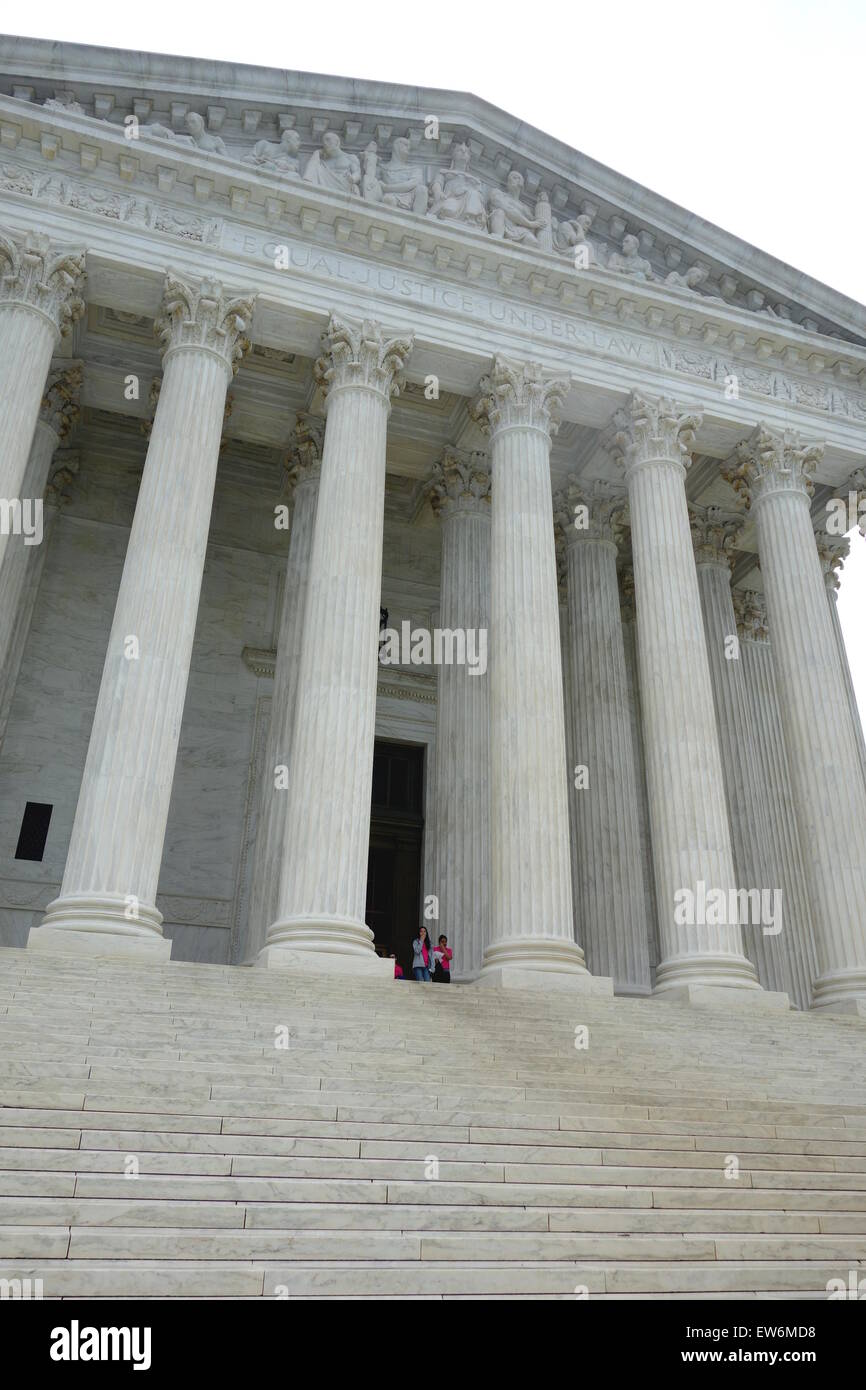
(535, 963)
(724, 996)
(323, 946)
(841, 992)
(98, 925)
(513, 977)
(708, 971)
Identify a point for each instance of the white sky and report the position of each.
(749, 112)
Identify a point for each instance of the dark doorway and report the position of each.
(396, 838)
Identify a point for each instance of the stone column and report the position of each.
(608, 888)
(772, 469)
(320, 924)
(628, 615)
(833, 552)
(531, 922)
(304, 464)
(460, 496)
(783, 835)
(40, 298)
(715, 534)
(23, 557)
(107, 902)
(699, 932)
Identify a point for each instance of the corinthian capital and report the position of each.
(750, 611)
(651, 429)
(65, 469)
(595, 511)
(715, 533)
(199, 314)
(359, 354)
(772, 461)
(304, 459)
(460, 481)
(35, 275)
(519, 393)
(833, 551)
(60, 407)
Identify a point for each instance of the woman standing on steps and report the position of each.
(422, 956)
(443, 956)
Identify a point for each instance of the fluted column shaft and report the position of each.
(112, 867)
(461, 497)
(690, 834)
(748, 807)
(320, 924)
(629, 642)
(39, 300)
(783, 835)
(829, 792)
(532, 926)
(833, 552)
(608, 890)
(273, 794)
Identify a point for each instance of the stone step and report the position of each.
(272, 1216)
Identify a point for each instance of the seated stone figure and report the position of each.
(457, 195)
(508, 217)
(572, 232)
(403, 184)
(277, 157)
(629, 262)
(211, 144)
(333, 167)
(694, 276)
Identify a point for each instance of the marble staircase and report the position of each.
(158, 1140)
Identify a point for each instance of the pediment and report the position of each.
(462, 167)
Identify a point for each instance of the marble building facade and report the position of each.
(283, 354)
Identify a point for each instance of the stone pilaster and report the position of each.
(773, 471)
(22, 561)
(460, 496)
(304, 463)
(628, 615)
(833, 552)
(107, 900)
(40, 298)
(532, 926)
(610, 908)
(771, 769)
(320, 924)
(699, 932)
(715, 533)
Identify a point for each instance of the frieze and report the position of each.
(430, 175)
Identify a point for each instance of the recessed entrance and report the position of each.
(396, 839)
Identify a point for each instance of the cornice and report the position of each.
(244, 93)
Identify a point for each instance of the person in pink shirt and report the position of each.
(422, 956)
(398, 969)
(443, 956)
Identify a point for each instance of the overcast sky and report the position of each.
(748, 112)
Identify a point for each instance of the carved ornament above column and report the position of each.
(359, 354)
(750, 610)
(61, 406)
(715, 533)
(833, 551)
(770, 462)
(460, 482)
(595, 511)
(651, 430)
(200, 314)
(304, 459)
(519, 395)
(36, 275)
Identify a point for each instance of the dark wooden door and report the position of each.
(396, 839)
